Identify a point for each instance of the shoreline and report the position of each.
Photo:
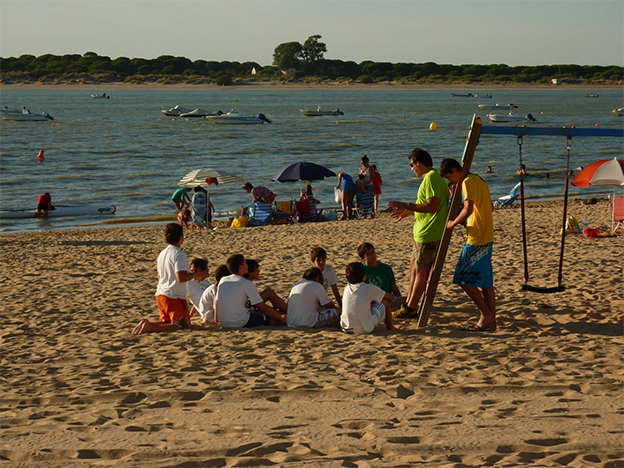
(273, 85)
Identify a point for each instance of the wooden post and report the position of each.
(434, 276)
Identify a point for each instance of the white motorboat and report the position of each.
(501, 118)
(319, 112)
(497, 106)
(175, 111)
(234, 118)
(199, 113)
(24, 115)
(100, 96)
(619, 112)
(62, 211)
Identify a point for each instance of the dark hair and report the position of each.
(314, 274)
(318, 252)
(421, 156)
(173, 233)
(308, 190)
(222, 272)
(355, 272)
(363, 248)
(364, 159)
(234, 262)
(252, 265)
(247, 186)
(447, 165)
(374, 166)
(187, 212)
(199, 264)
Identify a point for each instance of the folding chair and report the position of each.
(510, 198)
(283, 213)
(306, 212)
(616, 207)
(368, 205)
(260, 214)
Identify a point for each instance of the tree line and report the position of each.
(292, 61)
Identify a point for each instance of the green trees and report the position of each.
(308, 59)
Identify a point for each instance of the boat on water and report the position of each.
(318, 112)
(497, 106)
(619, 112)
(501, 118)
(477, 95)
(175, 111)
(61, 211)
(234, 118)
(100, 96)
(199, 113)
(24, 115)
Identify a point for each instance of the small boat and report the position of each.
(483, 96)
(462, 95)
(100, 96)
(199, 113)
(175, 111)
(61, 212)
(234, 118)
(24, 115)
(319, 112)
(497, 106)
(619, 112)
(510, 118)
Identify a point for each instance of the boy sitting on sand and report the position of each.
(308, 303)
(319, 260)
(234, 292)
(172, 266)
(380, 274)
(365, 305)
(206, 303)
(195, 289)
(253, 274)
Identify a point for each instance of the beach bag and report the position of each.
(235, 223)
(337, 195)
(572, 226)
(243, 221)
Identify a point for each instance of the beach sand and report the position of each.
(79, 390)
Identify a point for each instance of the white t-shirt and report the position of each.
(170, 261)
(206, 303)
(233, 293)
(305, 297)
(356, 307)
(194, 291)
(330, 276)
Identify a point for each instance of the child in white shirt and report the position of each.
(308, 303)
(319, 260)
(364, 305)
(206, 303)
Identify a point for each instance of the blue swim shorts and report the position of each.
(257, 319)
(474, 267)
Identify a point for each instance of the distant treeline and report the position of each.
(167, 68)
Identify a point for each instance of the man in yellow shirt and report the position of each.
(474, 268)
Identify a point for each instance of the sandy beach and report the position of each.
(79, 390)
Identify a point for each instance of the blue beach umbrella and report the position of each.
(302, 171)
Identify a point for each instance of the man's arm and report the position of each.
(463, 214)
(337, 294)
(395, 289)
(401, 210)
(184, 276)
(329, 305)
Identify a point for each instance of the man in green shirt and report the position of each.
(430, 212)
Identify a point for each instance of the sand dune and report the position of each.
(79, 390)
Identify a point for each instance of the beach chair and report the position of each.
(283, 213)
(510, 198)
(305, 211)
(260, 214)
(616, 207)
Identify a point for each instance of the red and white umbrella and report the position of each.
(605, 173)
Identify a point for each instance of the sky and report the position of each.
(512, 32)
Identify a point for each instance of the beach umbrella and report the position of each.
(302, 171)
(205, 177)
(603, 173)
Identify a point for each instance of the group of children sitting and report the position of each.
(234, 301)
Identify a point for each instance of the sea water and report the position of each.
(123, 151)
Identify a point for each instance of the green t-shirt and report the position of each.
(429, 227)
(381, 275)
